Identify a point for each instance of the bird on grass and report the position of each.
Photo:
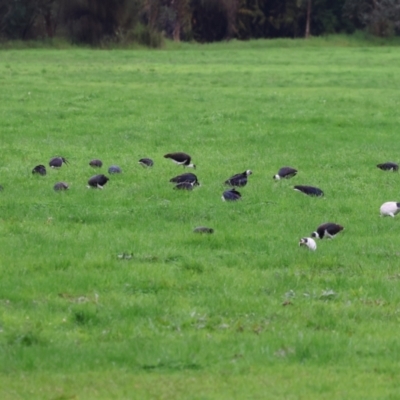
(59, 186)
(186, 178)
(390, 208)
(96, 163)
(231, 195)
(309, 190)
(39, 169)
(114, 169)
(203, 229)
(98, 181)
(309, 243)
(285, 173)
(146, 162)
(57, 162)
(328, 230)
(388, 166)
(238, 179)
(180, 159)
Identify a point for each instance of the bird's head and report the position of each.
(303, 242)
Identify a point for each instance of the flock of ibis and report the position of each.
(188, 181)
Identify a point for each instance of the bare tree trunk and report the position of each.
(231, 7)
(177, 31)
(49, 23)
(307, 34)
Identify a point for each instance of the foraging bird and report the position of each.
(186, 178)
(98, 181)
(328, 230)
(60, 186)
(390, 208)
(231, 195)
(309, 190)
(308, 242)
(184, 186)
(57, 162)
(96, 163)
(203, 229)
(180, 159)
(285, 173)
(146, 162)
(238, 179)
(39, 169)
(388, 166)
(114, 169)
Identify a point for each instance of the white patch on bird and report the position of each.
(223, 198)
(277, 177)
(178, 162)
(389, 209)
(309, 243)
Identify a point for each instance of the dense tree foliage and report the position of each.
(99, 21)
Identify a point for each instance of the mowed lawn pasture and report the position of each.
(109, 293)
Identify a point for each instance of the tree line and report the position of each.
(148, 21)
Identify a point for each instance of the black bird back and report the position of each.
(39, 169)
(309, 190)
(388, 166)
(185, 178)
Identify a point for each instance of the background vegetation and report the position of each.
(242, 313)
(104, 22)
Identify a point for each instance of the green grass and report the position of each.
(199, 316)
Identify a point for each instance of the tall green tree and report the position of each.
(18, 17)
(92, 21)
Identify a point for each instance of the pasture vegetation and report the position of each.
(242, 313)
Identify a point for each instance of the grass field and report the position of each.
(244, 313)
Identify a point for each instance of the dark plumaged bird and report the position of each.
(57, 162)
(203, 229)
(186, 178)
(388, 166)
(309, 190)
(309, 243)
(328, 230)
(390, 208)
(60, 186)
(285, 173)
(180, 159)
(184, 186)
(39, 169)
(146, 162)
(114, 169)
(231, 195)
(98, 181)
(238, 179)
(96, 163)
